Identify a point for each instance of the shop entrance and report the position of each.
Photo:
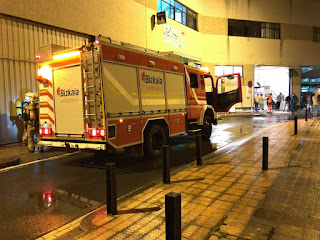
(310, 82)
(271, 80)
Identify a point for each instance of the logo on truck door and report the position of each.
(150, 79)
(67, 92)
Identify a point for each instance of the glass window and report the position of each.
(223, 70)
(193, 80)
(316, 34)
(255, 29)
(197, 65)
(178, 12)
(305, 89)
(202, 84)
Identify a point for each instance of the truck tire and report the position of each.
(155, 138)
(206, 127)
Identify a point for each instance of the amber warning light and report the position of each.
(66, 55)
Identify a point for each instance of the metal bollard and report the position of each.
(111, 186)
(173, 216)
(265, 153)
(166, 164)
(306, 115)
(199, 149)
(295, 125)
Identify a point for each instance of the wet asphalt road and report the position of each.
(43, 196)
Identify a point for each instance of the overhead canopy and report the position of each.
(181, 56)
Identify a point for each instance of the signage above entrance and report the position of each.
(173, 37)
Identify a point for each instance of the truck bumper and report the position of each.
(93, 146)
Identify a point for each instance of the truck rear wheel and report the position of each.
(155, 138)
(206, 127)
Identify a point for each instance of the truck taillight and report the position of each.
(97, 133)
(103, 133)
(45, 131)
(94, 133)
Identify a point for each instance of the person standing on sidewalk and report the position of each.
(309, 106)
(294, 101)
(287, 103)
(278, 101)
(282, 102)
(261, 102)
(315, 105)
(269, 101)
(256, 102)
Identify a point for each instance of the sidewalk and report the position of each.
(230, 197)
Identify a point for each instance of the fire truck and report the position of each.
(110, 95)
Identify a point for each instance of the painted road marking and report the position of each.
(36, 161)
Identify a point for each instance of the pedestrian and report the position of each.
(294, 101)
(269, 101)
(315, 105)
(282, 102)
(287, 103)
(309, 106)
(256, 102)
(261, 102)
(278, 101)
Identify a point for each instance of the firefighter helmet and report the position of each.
(31, 97)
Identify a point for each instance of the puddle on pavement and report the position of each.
(42, 212)
(231, 129)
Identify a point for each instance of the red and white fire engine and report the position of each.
(107, 95)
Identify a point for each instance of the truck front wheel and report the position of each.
(155, 138)
(206, 127)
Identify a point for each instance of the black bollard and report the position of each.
(199, 149)
(265, 153)
(166, 164)
(111, 186)
(295, 125)
(173, 216)
(306, 115)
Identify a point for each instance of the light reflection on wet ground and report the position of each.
(230, 129)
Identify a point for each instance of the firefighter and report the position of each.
(269, 101)
(30, 116)
(19, 107)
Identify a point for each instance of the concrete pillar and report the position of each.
(296, 83)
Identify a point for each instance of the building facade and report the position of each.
(236, 34)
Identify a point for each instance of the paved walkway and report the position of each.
(231, 197)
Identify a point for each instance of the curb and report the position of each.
(10, 162)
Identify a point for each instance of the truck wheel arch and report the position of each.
(151, 125)
(208, 110)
